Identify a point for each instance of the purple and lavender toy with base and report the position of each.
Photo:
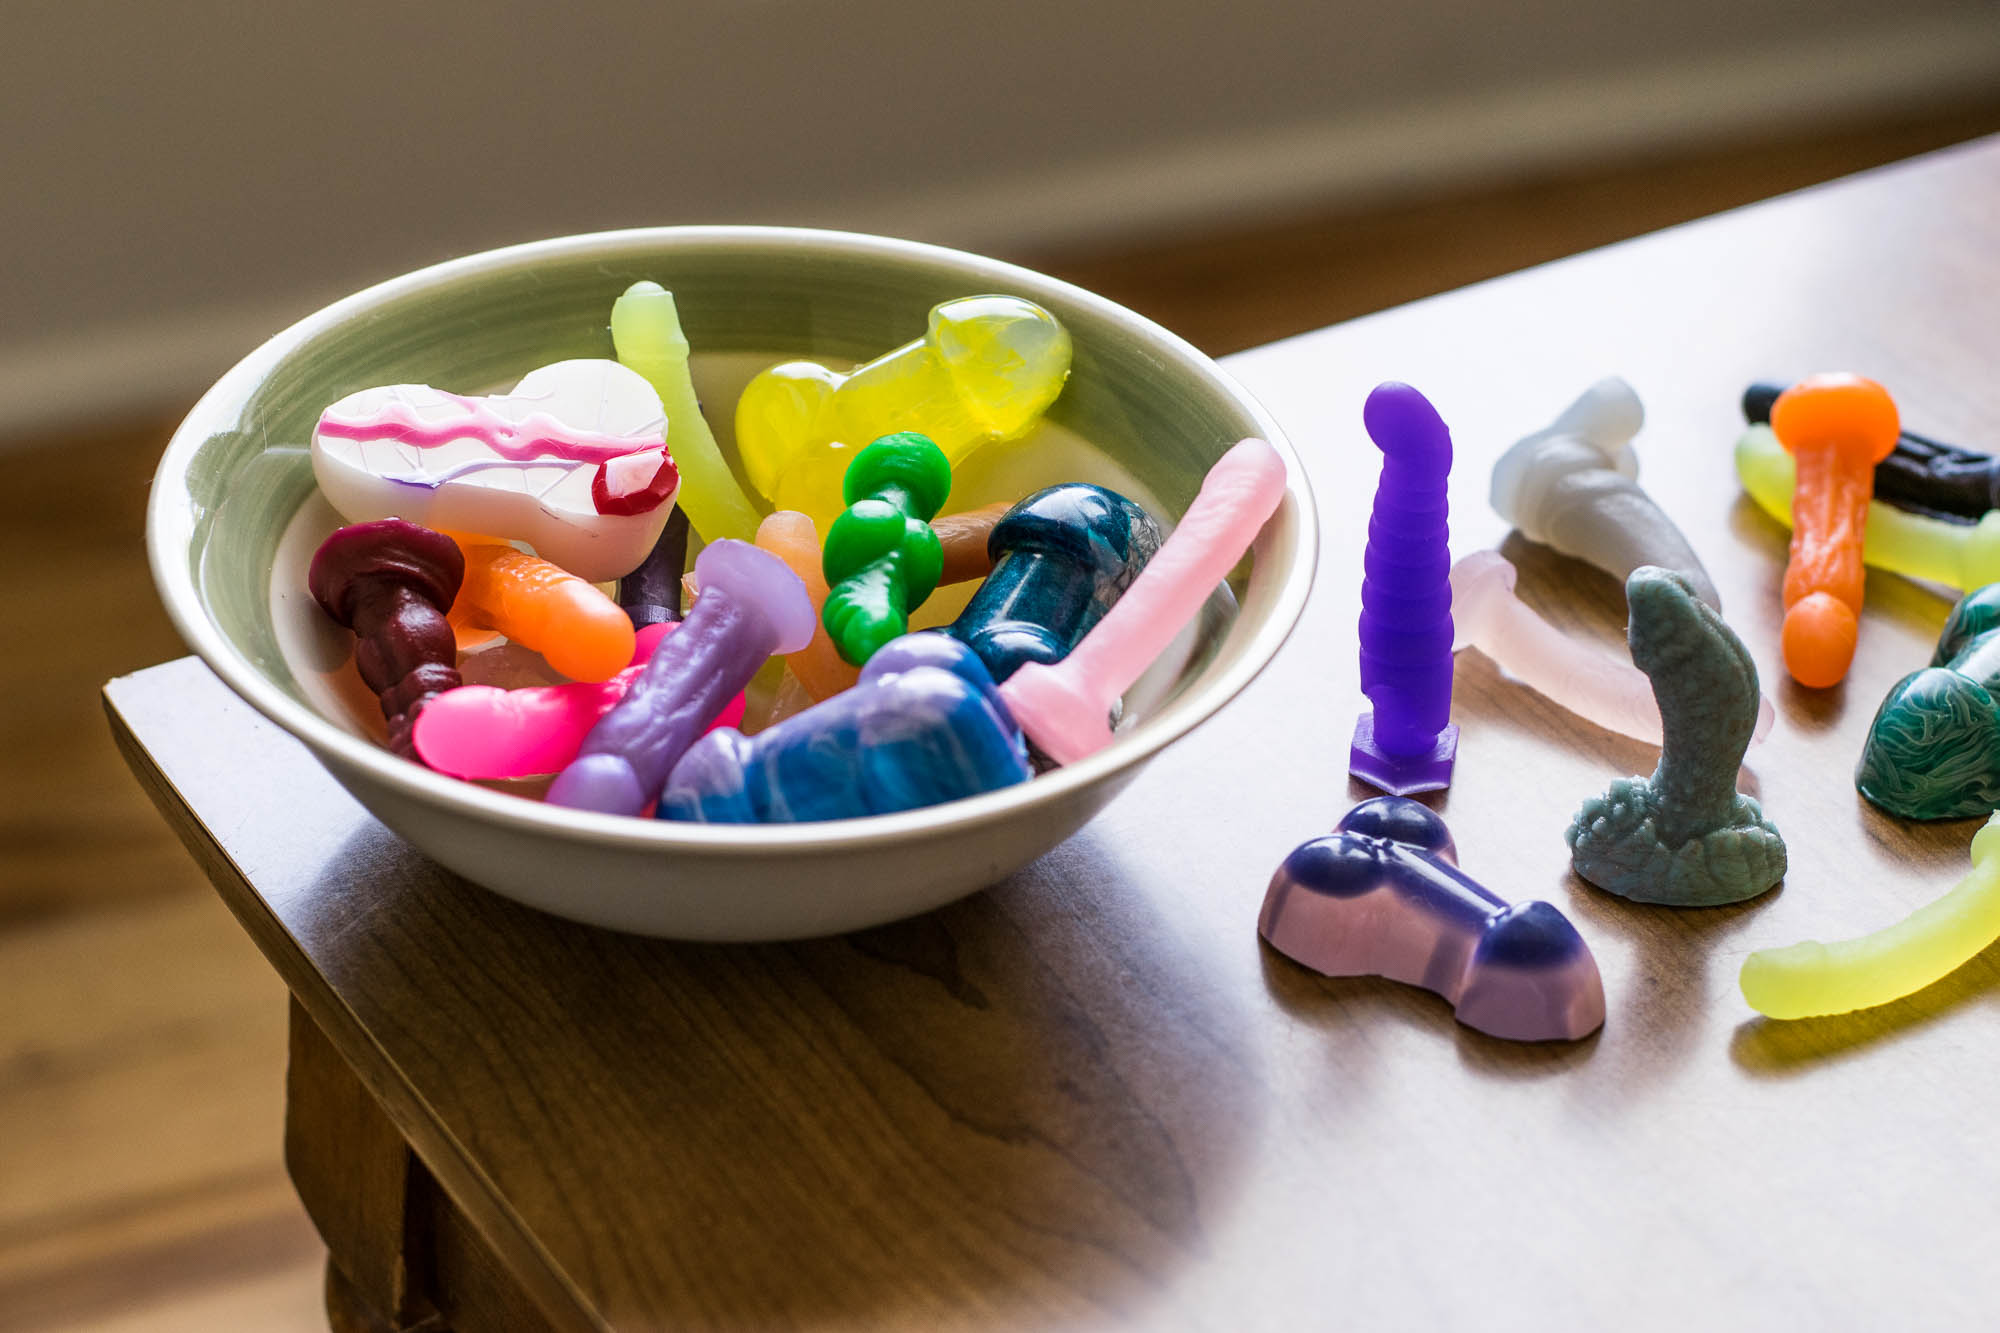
(1383, 896)
(1407, 744)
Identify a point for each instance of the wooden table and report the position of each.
(1090, 1097)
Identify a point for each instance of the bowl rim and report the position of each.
(167, 533)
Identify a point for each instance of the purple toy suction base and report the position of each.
(1401, 776)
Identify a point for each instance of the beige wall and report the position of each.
(227, 162)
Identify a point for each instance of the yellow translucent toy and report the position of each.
(986, 370)
(1962, 556)
(1810, 979)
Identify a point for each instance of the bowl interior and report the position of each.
(1142, 412)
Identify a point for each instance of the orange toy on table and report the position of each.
(580, 631)
(1837, 428)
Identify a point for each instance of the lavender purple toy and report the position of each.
(751, 606)
(1383, 896)
(924, 725)
(1407, 744)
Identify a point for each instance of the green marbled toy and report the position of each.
(881, 558)
(1683, 837)
(1933, 750)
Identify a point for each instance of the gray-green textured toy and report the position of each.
(1684, 836)
(1933, 751)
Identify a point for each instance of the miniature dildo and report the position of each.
(1065, 709)
(1575, 486)
(1684, 836)
(1933, 750)
(1809, 979)
(391, 582)
(1594, 685)
(1383, 896)
(750, 607)
(1407, 743)
(882, 559)
(1061, 558)
(924, 725)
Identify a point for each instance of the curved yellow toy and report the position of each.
(985, 370)
(1916, 546)
(646, 331)
(1810, 979)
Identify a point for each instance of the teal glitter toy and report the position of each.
(1933, 750)
(1684, 836)
(882, 559)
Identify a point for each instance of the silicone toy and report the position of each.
(1933, 750)
(1065, 709)
(1837, 428)
(1683, 837)
(881, 558)
(1920, 474)
(923, 726)
(646, 331)
(750, 607)
(818, 667)
(1407, 744)
(1810, 979)
(651, 594)
(1600, 688)
(390, 582)
(962, 538)
(1574, 486)
(1061, 558)
(1384, 897)
(583, 634)
(573, 462)
(985, 370)
(1913, 545)
(479, 731)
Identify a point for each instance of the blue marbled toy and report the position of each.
(924, 725)
(1933, 750)
(1061, 557)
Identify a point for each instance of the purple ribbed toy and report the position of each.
(1407, 743)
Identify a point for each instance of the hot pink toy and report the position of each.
(480, 731)
(1065, 709)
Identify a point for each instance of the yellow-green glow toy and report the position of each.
(646, 330)
(985, 370)
(1810, 979)
(1962, 556)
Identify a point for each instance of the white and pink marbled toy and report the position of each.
(1065, 709)
(573, 461)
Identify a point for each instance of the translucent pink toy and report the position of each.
(750, 608)
(1065, 709)
(1594, 685)
(479, 731)
(1406, 743)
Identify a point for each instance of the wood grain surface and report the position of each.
(1089, 1097)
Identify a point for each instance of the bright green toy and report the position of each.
(1938, 938)
(646, 330)
(881, 558)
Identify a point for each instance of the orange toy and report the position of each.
(1837, 428)
(580, 631)
(963, 539)
(791, 537)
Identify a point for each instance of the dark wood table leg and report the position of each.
(401, 1258)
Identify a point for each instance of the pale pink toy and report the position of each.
(1594, 685)
(1065, 709)
(483, 732)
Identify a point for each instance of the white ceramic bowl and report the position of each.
(237, 472)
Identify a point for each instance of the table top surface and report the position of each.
(1090, 1096)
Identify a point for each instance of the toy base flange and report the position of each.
(1401, 775)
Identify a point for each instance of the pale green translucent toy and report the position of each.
(646, 330)
(1959, 555)
(1810, 979)
(986, 370)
